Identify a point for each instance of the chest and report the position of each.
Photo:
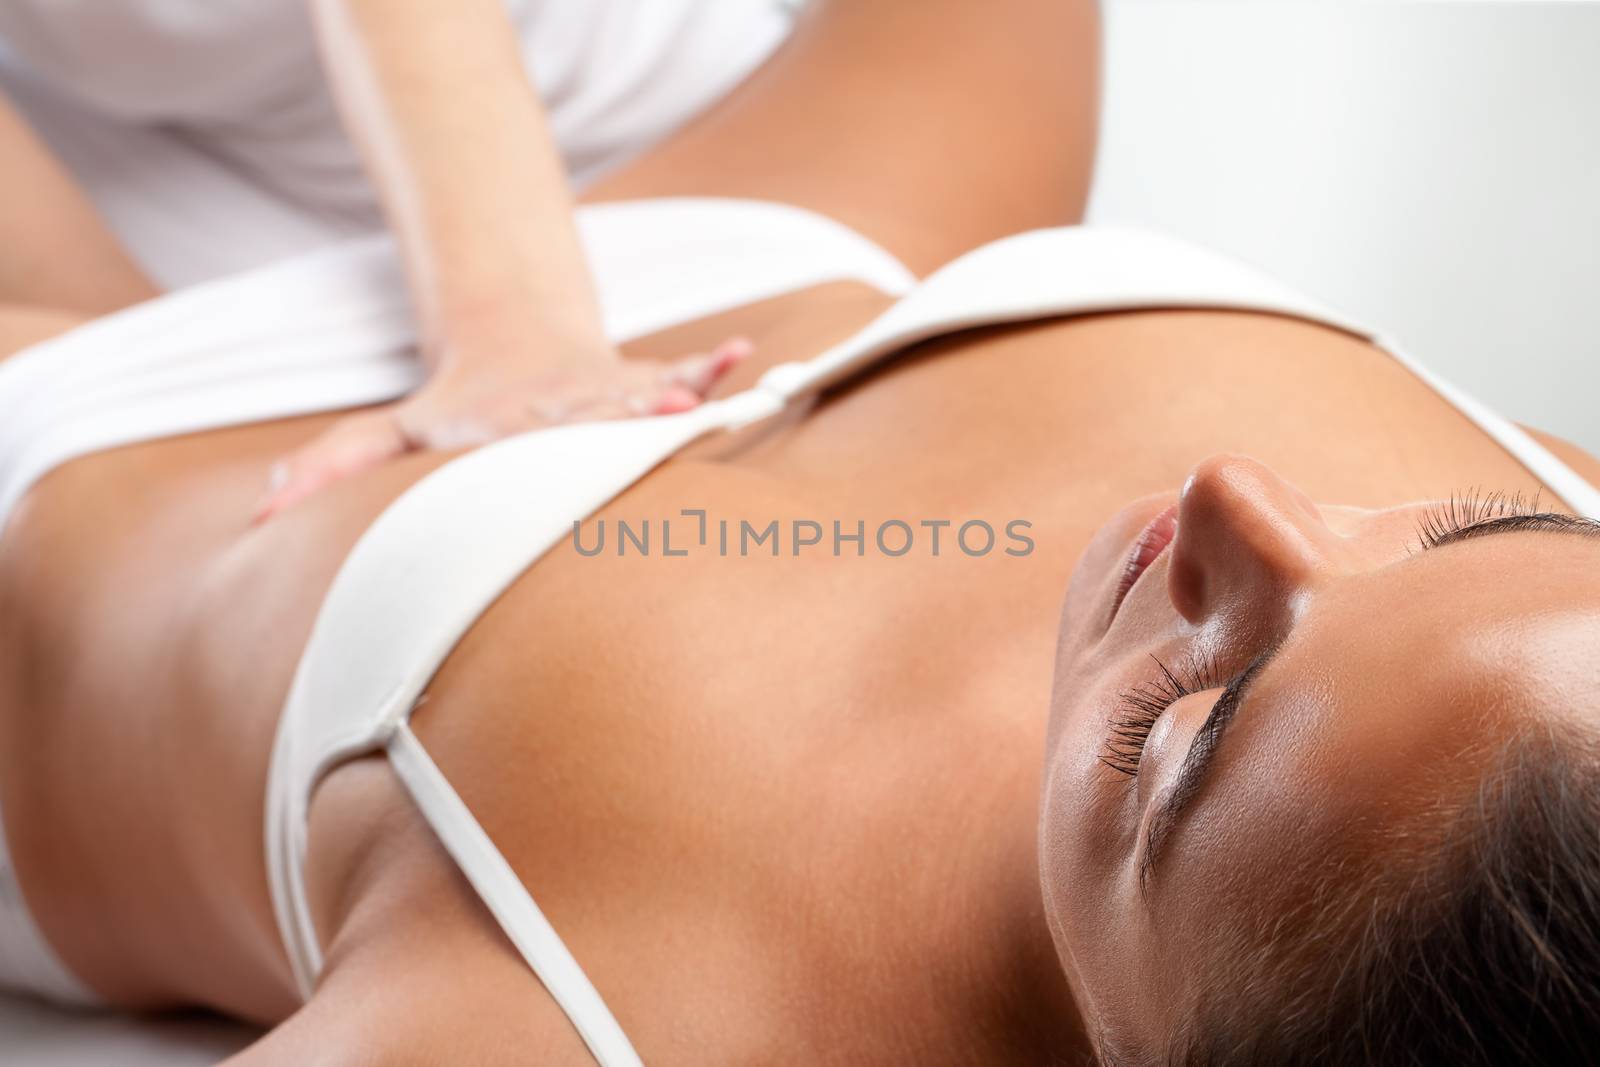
(1072, 418)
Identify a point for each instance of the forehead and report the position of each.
(1390, 697)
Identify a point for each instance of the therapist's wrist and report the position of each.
(512, 333)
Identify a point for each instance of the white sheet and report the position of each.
(34, 1034)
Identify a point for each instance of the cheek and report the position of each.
(1102, 948)
(1069, 894)
(1080, 835)
(1058, 849)
(1116, 963)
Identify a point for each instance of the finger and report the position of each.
(656, 396)
(600, 407)
(354, 444)
(700, 372)
(674, 400)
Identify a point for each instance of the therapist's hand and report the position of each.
(473, 403)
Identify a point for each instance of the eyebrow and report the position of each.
(1171, 807)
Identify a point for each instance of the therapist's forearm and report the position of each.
(457, 143)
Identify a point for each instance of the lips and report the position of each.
(1149, 545)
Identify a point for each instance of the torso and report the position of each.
(726, 775)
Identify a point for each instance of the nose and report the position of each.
(1248, 545)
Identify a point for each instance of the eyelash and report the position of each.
(1468, 509)
(1138, 709)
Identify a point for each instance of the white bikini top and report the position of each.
(334, 331)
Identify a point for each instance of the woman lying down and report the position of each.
(714, 736)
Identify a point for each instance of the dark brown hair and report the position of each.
(1488, 954)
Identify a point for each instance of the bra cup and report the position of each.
(388, 622)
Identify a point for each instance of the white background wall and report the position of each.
(1432, 168)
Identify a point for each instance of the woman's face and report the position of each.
(1254, 694)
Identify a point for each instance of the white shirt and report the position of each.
(240, 81)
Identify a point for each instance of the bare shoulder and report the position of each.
(860, 115)
(1569, 453)
(484, 1008)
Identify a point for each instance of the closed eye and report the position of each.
(1171, 806)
